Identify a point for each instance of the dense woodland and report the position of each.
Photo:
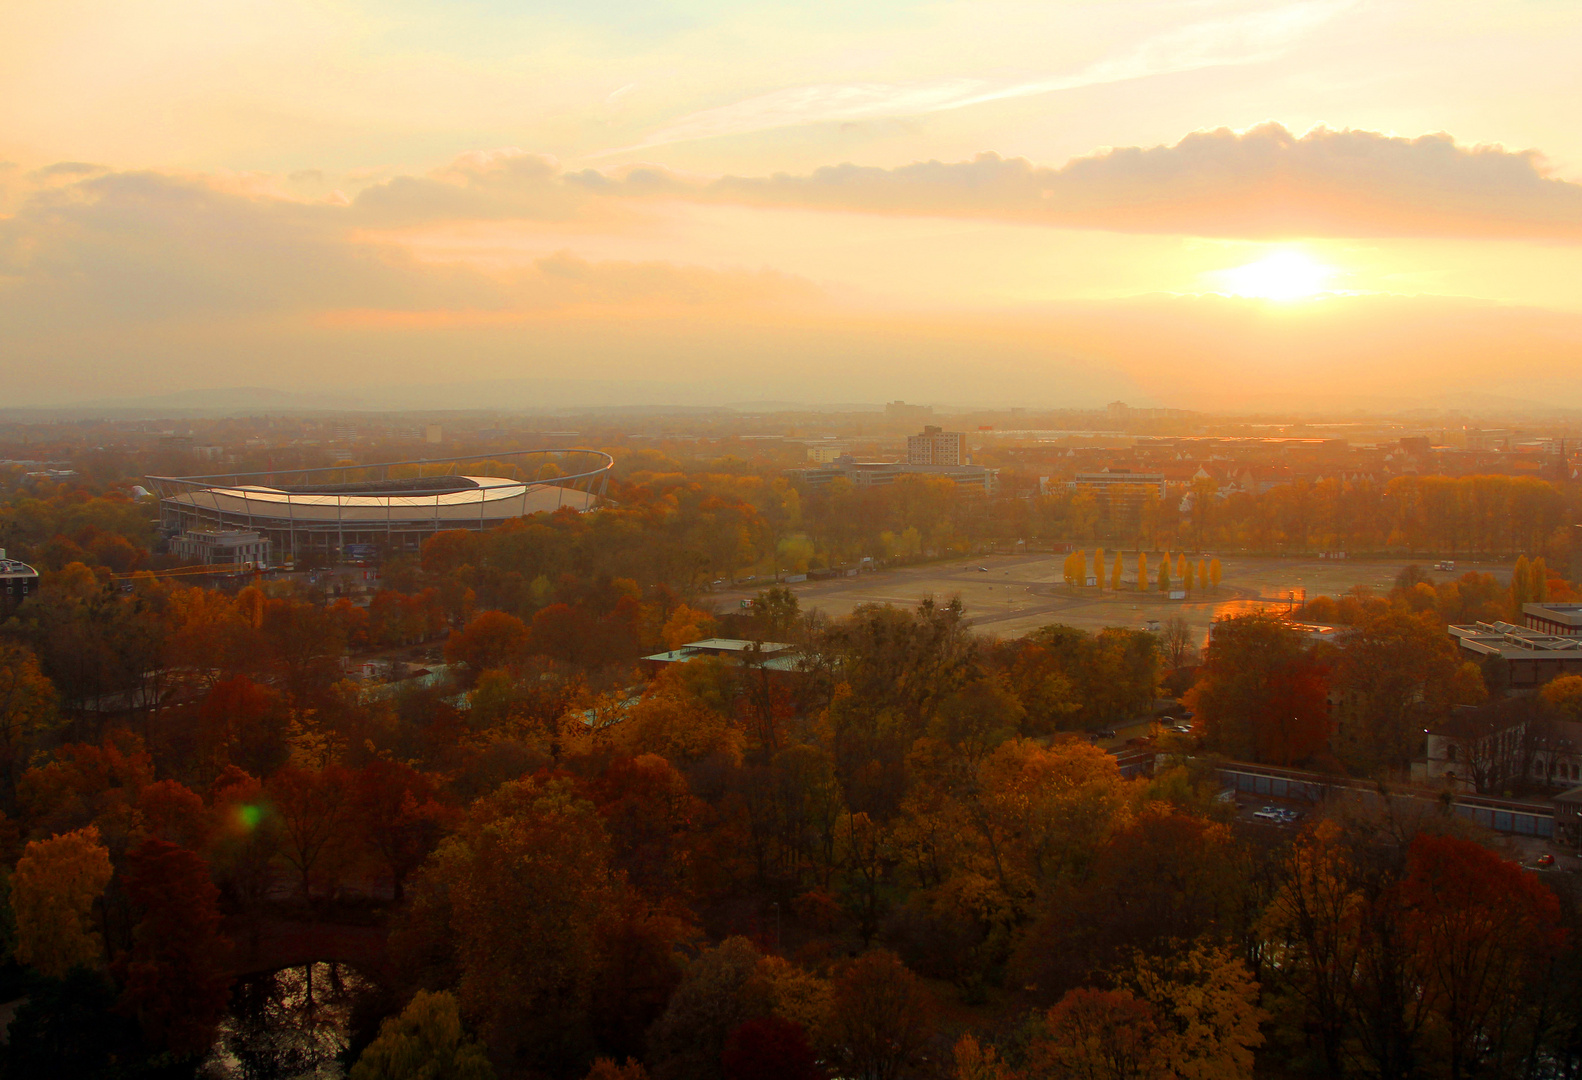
(900, 859)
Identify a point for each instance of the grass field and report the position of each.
(1019, 593)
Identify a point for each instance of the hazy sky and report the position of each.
(1196, 202)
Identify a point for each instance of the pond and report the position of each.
(290, 1024)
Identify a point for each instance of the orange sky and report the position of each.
(1218, 204)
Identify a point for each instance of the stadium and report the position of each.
(391, 506)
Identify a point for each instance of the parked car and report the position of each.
(1102, 733)
(1546, 860)
(1270, 813)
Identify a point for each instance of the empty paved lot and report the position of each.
(1022, 592)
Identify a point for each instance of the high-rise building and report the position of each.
(936, 447)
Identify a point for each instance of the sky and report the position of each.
(1211, 204)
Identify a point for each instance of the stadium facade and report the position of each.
(391, 506)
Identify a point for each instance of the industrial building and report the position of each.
(391, 506)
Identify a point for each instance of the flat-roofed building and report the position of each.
(1562, 620)
(1519, 657)
(774, 655)
(936, 447)
(1121, 482)
(244, 549)
(867, 474)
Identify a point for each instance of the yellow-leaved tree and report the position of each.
(52, 896)
(1207, 1004)
(425, 1041)
(686, 624)
(1313, 933)
(1115, 575)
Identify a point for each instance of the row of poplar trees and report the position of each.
(1204, 573)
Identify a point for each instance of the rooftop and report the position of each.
(777, 655)
(1567, 615)
(1514, 642)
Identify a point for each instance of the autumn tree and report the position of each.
(1313, 934)
(517, 896)
(1115, 574)
(312, 806)
(1101, 1035)
(769, 1048)
(27, 709)
(1565, 694)
(1261, 693)
(53, 891)
(685, 624)
(883, 1017)
(247, 838)
(973, 1060)
(425, 1042)
(491, 640)
(1485, 930)
(1176, 642)
(175, 975)
(718, 993)
(1207, 1003)
(398, 813)
(1398, 675)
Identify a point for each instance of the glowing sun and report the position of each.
(1282, 275)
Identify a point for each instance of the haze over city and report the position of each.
(1223, 204)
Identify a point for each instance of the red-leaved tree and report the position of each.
(175, 974)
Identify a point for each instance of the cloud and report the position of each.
(66, 170)
(142, 247)
(1252, 38)
(1264, 183)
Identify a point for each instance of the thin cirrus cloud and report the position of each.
(1251, 38)
(1264, 183)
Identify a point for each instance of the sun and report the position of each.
(1281, 275)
